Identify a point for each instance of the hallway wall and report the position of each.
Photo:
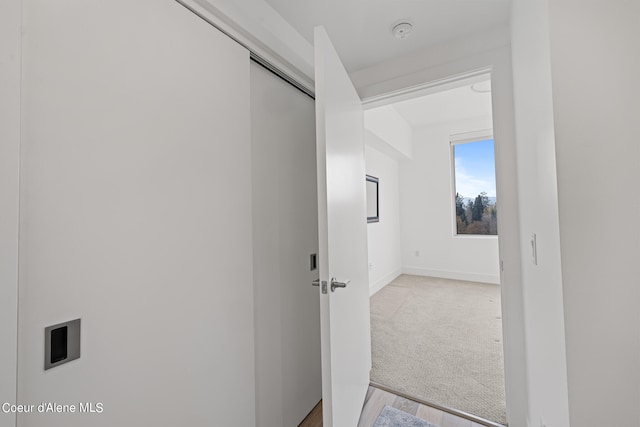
(595, 64)
(544, 311)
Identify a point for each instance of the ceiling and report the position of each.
(361, 29)
(455, 104)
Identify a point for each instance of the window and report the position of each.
(474, 189)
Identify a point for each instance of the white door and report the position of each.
(342, 226)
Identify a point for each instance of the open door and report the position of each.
(342, 222)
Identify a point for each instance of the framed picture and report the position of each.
(373, 205)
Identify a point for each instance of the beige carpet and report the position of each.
(441, 340)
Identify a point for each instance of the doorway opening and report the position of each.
(436, 320)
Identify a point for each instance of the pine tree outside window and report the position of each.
(474, 184)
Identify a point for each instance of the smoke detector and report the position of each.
(402, 30)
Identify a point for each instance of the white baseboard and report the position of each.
(384, 281)
(472, 277)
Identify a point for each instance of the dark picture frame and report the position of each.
(373, 203)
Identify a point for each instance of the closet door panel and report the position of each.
(136, 215)
(285, 224)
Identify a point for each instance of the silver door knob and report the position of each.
(335, 284)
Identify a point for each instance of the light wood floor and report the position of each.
(375, 401)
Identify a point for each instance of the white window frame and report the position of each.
(458, 139)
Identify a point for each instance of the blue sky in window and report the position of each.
(475, 168)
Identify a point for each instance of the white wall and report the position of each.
(285, 233)
(544, 316)
(481, 51)
(389, 126)
(427, 212)
(595, 64)
(136, 214)
(385, 263)
(10, 59)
